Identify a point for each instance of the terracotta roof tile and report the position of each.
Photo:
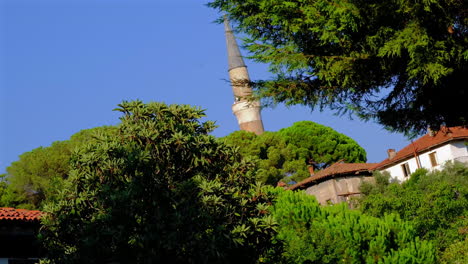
(334, 170)
(281, 184)
(425, 143)
(7, 213)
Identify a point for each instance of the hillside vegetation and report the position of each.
(157, 186)
(436, 203)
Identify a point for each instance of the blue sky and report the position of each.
(64, 65)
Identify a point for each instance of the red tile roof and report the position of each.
(424, 143)
(281, 184)
(334, 170)
(7, 213)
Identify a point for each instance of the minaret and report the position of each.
(247, 111)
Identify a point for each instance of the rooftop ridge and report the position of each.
(425, 143)
(334, 169)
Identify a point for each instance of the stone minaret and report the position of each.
(247, 111)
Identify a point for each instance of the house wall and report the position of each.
(460, 151)
(456, 150)
(323, 191)
(397, 172)
(443, 154)
(335, 190)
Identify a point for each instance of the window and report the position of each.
(433, 158)
(406, 170)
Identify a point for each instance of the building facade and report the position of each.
(337, 183)
(430, 151)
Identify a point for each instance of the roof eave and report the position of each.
(419, 152)
(308, 183)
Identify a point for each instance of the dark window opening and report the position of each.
(433, 158)
(406, 169)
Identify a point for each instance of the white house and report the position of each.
(430, 151)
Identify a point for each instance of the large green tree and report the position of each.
(39, 173)
(402, 63)
(287, 153)
(160, 190)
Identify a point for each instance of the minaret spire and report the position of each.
(246, 110)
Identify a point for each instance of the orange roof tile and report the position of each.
(281, 184)
(424, 143)
(335, 170)
(7, 213)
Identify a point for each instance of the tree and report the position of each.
(39, 174)
(160, 189)
(287, 153)
(312, 233)
(435, 203)
(401, 62)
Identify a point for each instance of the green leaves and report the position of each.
(435, 203)
(286, 154)
(333, 234)
(160, 188)
(340, 53)
(41, 173)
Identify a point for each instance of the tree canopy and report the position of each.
(287, 153)
(402, 63)
(39, 174)
(159, 189)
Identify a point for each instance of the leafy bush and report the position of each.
(335, 234)
(456, 253)
(435, 202)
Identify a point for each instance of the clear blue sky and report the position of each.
(65, 64)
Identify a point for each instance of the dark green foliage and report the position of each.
(436, 203)
(382, 180)
(3, 187)
(161, 190)
(456, 253)
(286, 154)
(335, 234)
(397, 61)
(39, 174)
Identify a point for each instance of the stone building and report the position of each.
(341, 181)
(337, 183)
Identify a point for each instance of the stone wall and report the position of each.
(338, 189)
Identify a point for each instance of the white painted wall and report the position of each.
(397, 172)
(460, 151)
(455, 150)
(443, 154)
